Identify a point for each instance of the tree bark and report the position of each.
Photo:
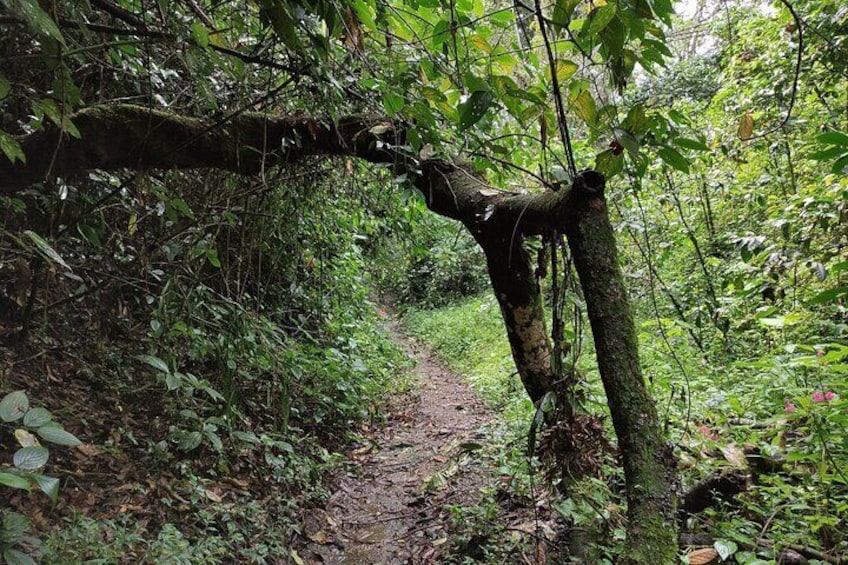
(131, 137)
(649, 467)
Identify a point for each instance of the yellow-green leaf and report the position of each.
(565, 69)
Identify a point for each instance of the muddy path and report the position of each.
(390, 506)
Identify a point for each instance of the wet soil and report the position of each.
(390, 507)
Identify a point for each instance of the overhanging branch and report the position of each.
(119, 137)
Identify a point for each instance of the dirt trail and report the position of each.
(390, 509)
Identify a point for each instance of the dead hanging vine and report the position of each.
(554, 238)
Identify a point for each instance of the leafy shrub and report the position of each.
(433, 263)
(25, 474)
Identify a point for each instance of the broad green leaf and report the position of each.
(608, 163)
(57, 436)
(474, 108)
(190, 441)
(598, 19)
(563, 9)
(47, 250)
(248, 437)
(173, 381)
(613, 37)
(48, 485)
(503, 17)
(393, 103)
(481, 43)
(565, 69)
(11, 148)
(636, 121)
(679, 118)
(840, 166)
(440, 34)
(833, 138)
(432, 94)
(658, 46)
(14, 481)
(688, 143)
(15, 526)
(627, 140)
(829, 295)
(31, 458)
(200, 34)
(212, 257)
(37, 417)
(154, 362)
(35, 17)
(277, 13)
(365, 13)
(674, 159)
(90, 234)
(15, 557)
(725, 548)
(663, 9)
(473, 82)
(213, 438)
(828, 154)
(182, 207)
(13, 406)
(584, 106)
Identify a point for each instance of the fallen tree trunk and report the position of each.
(131, 137)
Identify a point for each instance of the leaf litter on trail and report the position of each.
(391, 507)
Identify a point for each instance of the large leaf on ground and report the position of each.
(48, 485)
(58, 436)
(14, 481)
(13, 406)
(31, 458)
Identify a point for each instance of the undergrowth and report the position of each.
(723, 411)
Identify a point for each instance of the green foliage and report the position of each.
(31, 457)
(469, 336)
(429, 261)
(225, 532)
(16, 547)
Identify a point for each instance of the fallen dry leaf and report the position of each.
(319, 537)
(702, 556)
(734, 455)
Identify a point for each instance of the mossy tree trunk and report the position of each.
(649, 467)
(130, 137)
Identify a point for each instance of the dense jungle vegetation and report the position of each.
(211, 213)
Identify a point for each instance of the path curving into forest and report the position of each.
(390, 507)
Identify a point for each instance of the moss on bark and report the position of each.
(648, 465)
